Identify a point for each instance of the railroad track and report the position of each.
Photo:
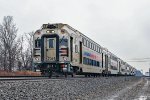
(19, 78)
(15, 78)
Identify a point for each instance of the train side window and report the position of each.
(84, 42)
(76, 48)
(87, 43)
(95, 63)
(84, 60)
(90, 45)
(96, 49)
(92, 62)
(37, 43)
(93, 47)
(98, 63)
(51, 43)
(87, 61)
(100, 50)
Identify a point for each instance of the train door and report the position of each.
(50, 48)
(103, 60)
(50, 54)
(71, 49)
(80, 52)
(106, 62)
(119, 66)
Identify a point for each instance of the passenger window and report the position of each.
(100, 50)
(84, 60)
(84, 42)
(93, 47)
(87, 43)
(90, 45)
(97, 63)
(37, 43)
(96, 49)
(94, 63)
(51, 43)
(76, 48)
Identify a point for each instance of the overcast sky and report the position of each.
(122, 26)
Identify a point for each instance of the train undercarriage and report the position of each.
(59, 70)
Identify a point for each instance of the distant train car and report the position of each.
(59, 49)
(114, 64)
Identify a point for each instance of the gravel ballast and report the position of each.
(65, 89)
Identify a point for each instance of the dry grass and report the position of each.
(19, 73)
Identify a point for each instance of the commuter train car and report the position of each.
(59, 49)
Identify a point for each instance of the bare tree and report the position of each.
(29, 37)
(8, 43)
(27, 52)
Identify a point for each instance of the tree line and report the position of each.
(15, 51)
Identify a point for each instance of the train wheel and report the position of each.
(73, 75)
(86, 75)
(50, 74)
(66, 75)
(103, 74)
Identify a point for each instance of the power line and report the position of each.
(141, 58)
(138, 61)
(147, 59)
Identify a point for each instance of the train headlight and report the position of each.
(50, 31)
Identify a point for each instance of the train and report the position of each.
(59, 49)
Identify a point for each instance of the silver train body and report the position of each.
(59, 48)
